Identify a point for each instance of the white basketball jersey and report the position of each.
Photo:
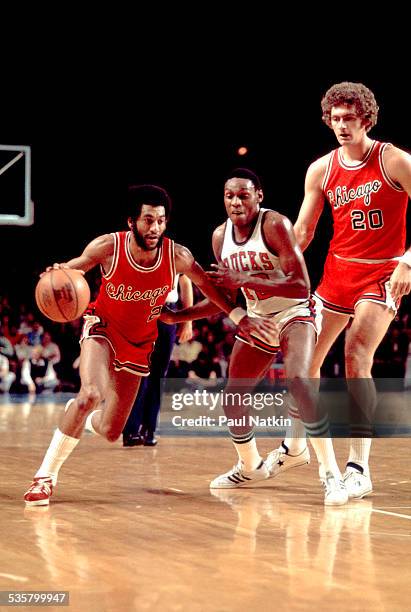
(252, 255)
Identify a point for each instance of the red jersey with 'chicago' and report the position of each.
(131, 297)
(369, 209)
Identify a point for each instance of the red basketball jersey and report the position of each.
(369, 209)
(131, 297)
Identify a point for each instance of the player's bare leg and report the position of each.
(99, 381)
(246, 363)
(95, 375)
(369, 326)
(298, 345)
(332, 325)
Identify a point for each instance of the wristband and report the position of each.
(406, 258)
(237, 314)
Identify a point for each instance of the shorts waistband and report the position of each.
(365, 261)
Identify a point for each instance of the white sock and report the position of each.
(89, 425)
(360, 453)
(61, 446)
(248, 454)
(324, 450)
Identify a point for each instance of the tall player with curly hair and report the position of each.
(367, 184)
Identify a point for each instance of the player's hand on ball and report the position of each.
(264, 328)
(55, 266)
(59, 266)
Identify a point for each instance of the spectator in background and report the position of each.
(35, 334)
(183, 355)
(24, 353)
(204, 371)
(37, 369)
(5, 307)
(13, 335)
(6, 347)
(6, 326)
(6, 377)
(26, 322)
(51, 353)
(50, 350)
(224, 347)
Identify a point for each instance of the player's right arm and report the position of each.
(313, 203)
(99, 251)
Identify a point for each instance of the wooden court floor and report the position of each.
(138, 528)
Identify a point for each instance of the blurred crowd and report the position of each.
(37, 355)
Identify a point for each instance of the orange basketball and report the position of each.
(62, 295)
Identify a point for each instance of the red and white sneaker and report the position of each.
(39, 492)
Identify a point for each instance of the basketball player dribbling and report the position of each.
(367, 184)
(257, 252)
(138, 268)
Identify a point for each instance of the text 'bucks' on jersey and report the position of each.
(252, 255)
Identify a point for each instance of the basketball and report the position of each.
(62, 295)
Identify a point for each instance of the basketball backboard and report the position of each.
(16, 206)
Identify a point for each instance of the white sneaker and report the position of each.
(279, 460)
(335, 493)
(238, 477)
(358, 485)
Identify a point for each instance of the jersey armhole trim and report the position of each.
(327, 172)
(384, 172)
(171, 254)
(114, 261)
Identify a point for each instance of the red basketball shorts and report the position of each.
(347, 283)
(132, 357)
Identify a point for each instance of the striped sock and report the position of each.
(319, 428)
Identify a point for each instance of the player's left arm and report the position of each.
(398, 166)
(292, 280)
